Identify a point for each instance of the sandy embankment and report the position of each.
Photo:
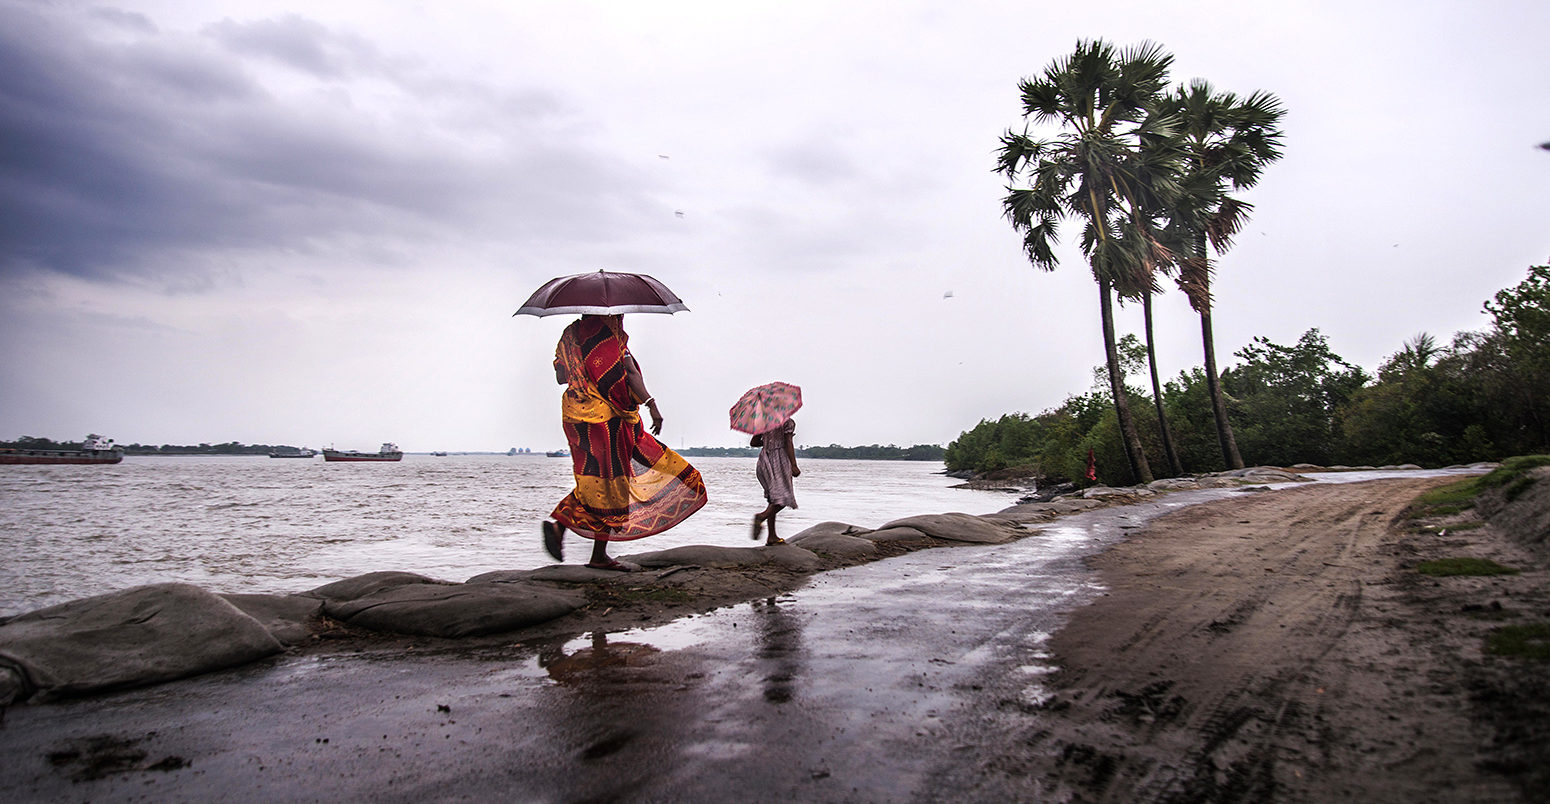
(1282, 647)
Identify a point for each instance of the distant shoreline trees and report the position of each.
(871, 452)
(876, 452)
(228, 448)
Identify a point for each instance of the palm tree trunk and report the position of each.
(1218, 406)
(1157, 396)
(1127, 425)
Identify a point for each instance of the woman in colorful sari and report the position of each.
(628, 485)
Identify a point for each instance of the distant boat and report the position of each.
(94, 449)
(439, 454)
(388, 452)
(295, 453)
(559, 453)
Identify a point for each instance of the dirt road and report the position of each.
(1283, 648)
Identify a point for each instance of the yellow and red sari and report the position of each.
(628, 485)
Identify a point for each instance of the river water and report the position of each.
(244, 524)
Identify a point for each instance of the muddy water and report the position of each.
(237, 524)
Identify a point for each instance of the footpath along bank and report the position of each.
(1322, 643)
(161, 632)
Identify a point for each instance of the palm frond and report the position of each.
(1228, 141)
(1039, 243)
(1041, 100)
(1195, 280)
(1225, 223)
(1016, 150)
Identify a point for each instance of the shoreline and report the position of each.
(1265, 646)
(60, 650)
(244, 531)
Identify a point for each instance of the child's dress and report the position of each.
(775, 466)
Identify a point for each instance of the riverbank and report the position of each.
(164, 631)
(1230, 660)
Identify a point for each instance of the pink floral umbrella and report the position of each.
(765, 408)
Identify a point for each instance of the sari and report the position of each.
(628, 484)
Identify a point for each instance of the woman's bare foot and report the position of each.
(553, 539)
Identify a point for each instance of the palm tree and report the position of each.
(1163, 430)
(1157, 194)
(1093, 171)
(1227, 142)
(1417, 355)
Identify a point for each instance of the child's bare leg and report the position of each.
(763, 516)
(769, 519)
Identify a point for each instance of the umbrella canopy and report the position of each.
(602, 293)
(765, 408)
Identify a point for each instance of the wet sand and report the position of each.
(1272, 646)
(1282, 648)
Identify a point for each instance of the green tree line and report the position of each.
(872, 452)
(1484, 396)
(877, 452)
(228, 448)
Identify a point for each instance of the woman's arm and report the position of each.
(791, 452)
(637, 383)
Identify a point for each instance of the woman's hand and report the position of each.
(795, 472)
(656, 417)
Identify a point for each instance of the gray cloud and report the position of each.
(123, 151)
(125, 19)
(298, 43)
(820, 163)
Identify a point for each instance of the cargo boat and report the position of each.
(388, 452)
(94, 449)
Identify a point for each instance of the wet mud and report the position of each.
(1287, 650)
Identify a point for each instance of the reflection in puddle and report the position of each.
(779, 651)
(675, 635)
(598, 659)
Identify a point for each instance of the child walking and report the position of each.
(777, 466)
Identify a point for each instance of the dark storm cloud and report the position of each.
(126, 150)
(296, 42)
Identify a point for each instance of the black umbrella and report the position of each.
(602, 293)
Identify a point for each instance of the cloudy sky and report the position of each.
(309, 223)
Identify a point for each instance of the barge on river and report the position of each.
(388, 452)
(94, 449)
